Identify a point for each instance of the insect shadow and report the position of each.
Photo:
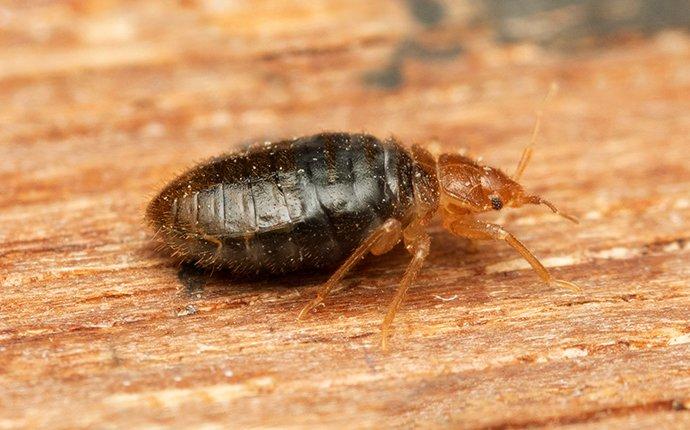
(198, 282)
(203, 283)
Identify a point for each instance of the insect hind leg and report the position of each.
(379, 241)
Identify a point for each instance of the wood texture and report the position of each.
(102, 102)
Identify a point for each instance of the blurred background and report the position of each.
(236, 67)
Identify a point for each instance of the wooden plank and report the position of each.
(102, 102)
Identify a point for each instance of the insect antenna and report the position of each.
(536, 200)
(527, 152)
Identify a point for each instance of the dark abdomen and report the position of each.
(285, 206)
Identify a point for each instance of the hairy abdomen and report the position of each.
(285, 206)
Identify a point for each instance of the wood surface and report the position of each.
(102, 102)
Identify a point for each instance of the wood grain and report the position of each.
(102, 102)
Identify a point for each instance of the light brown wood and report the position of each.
(102, 102)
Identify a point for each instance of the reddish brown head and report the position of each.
(469, 187)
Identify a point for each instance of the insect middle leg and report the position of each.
(380, 241)
(475, 229)
(417, 242)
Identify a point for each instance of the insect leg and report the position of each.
(417, 242)
(377, 240)
(483, 230)
(216, 241)
(388, 240)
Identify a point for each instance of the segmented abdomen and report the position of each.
(286, 206)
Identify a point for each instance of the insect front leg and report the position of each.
(380, 240)
(474, 229)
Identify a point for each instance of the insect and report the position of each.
(329, 199)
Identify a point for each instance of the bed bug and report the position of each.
(329, 199)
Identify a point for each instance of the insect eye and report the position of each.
(496, 203)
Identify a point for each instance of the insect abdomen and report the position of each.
(285, 206)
